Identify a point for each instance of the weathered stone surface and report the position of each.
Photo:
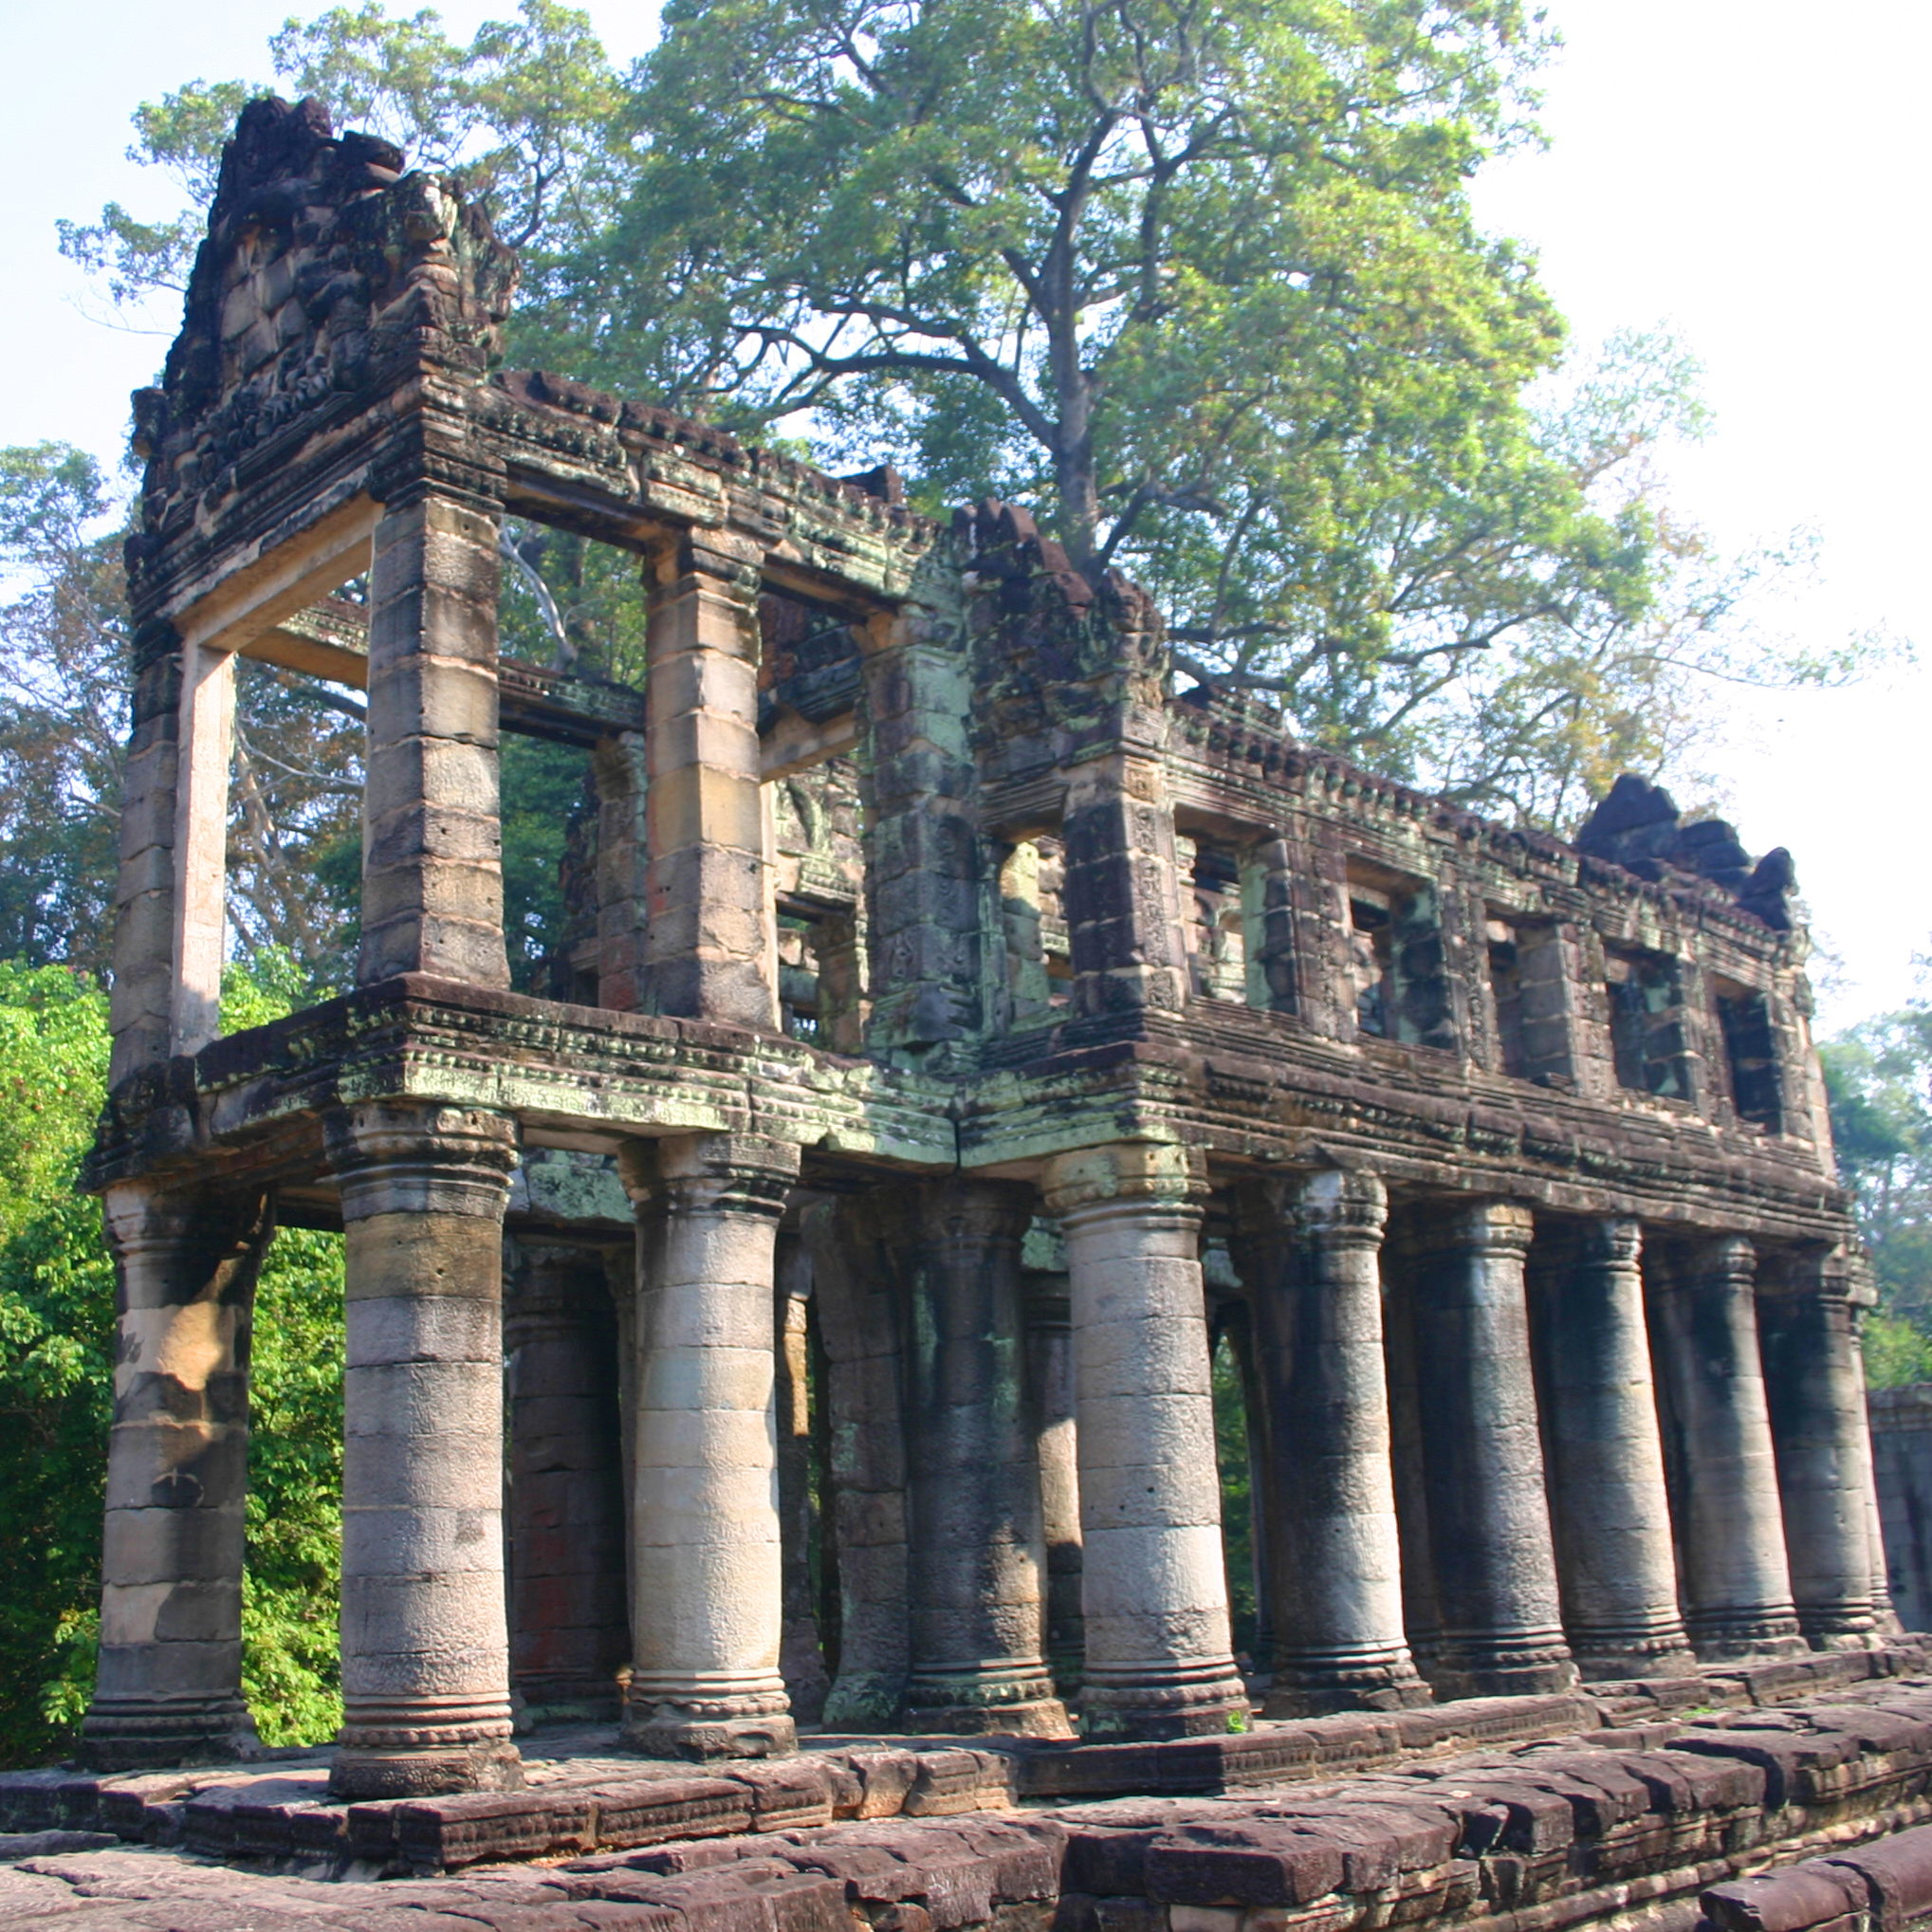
(915, 923)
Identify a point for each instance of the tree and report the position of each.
(1200, 283)
(1879, 1076)
(57, 1381)
(1197, 280)
(63, 701)
(295, 838)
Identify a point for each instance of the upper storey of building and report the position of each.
(909, 850)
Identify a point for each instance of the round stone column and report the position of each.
(1610, 1510)
(1310, 1255)
(426, 1702)
(1501, 1628)
(802, 1656)
(1153, 1594)
(169, 1686)
(1724, 1477)
(1816, 1391)
(569, 1633)
(978, 1562)
(1050, 1381)
(708, 1570)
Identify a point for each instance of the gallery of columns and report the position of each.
(802, 1309)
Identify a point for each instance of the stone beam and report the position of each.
(246, 599)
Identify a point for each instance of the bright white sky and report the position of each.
(1748, 170)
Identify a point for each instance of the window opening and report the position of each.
(1040, 962)
(798, 976)
(1399, 968)
(1751, 1054)
(1215, 922)
(1374, 951)
(1526, 983)
(1647, 1032)
(819, 902)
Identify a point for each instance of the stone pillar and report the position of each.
(1421, 1618)
(1309, 1254)
(569, 1632)
(207, 732)
(425, 1639)
(709, 892)
(432, 839)
(1269, 916)
(978, 1562)
(1050, 1384)
(1122, 894)
(1717, 1453)
(1154, 1589)
(170, 1681)
(140, 1005)
(859, 1325)
(1884, 1612)
(617, 770)
(1610, 1510)
(802, 1660)
(1228, 1326)
(1815, 1393)
(922, 855)
(842, 983)
(707, 1591)
(1489, 1523)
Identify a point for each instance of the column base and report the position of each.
(137, 1737)
(1313, 1688)
(1845, 1628)
(1528, 1665)
(1611, 1656)
(1867, 1639)
(1068, 1669)
(997, 1701)
(1044, 1716)
(563, 1697)
(1211, 1703)
(668, 1732)
(1731, 1636)
(425, 1771)
(864, 1700)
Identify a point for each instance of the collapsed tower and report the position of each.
(958, 1008)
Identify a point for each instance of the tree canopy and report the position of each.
(57, 1383)
(1879, 1076)
(1196, 280)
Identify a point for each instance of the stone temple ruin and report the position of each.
(962, 1031)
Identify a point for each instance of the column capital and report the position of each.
(1490, 1226)
(138, 1214)
(1728, 1255)
(1341, 1209)
(416, 1157)
(1615, 1240)
(417, 466)
(726, 560)
(960, 1208)
(1130, 1176)
(744, 1171)
(1818, 1274)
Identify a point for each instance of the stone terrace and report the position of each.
(1632, 1825)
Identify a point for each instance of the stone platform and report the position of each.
(1564, 1816)
(1664, 1827)
(582, 1793)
